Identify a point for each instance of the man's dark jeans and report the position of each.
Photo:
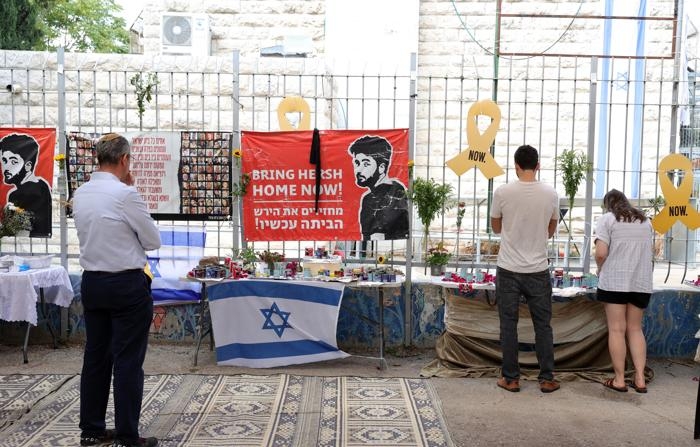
(536, 288)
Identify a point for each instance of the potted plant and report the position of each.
(574, 166)
(438, 256)
(248, 257)
(431, 200)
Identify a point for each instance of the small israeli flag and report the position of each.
(180, 250)
(267, 323)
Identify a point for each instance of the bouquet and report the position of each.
(270, 257)
(438, 255)
(13, 220)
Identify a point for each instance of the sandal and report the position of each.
(639, 389)
(609, 384)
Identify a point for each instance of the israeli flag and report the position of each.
(180, 250)
(267, 323)
(621, 98)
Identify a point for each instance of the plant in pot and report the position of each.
(574, 166)
(437, 258)
(431, 200)
(248, 257)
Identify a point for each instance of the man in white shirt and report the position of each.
(114, 230)
(525, 213)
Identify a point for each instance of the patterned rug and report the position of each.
(243, 410)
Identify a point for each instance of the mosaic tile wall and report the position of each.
(670, 322)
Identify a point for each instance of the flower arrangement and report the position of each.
(61, 160)
(241, 188)
(270, 257)
(237, 156)
(384, 258)
(438, 255)
(14, 219)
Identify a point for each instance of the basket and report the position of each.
(35, 262)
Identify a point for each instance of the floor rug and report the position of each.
(242, 410)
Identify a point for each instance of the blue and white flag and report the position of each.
(180, 250)
(621, 98)
(266, 323)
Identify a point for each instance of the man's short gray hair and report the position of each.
(110, 148)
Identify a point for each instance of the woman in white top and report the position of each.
(623, 253)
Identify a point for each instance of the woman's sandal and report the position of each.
(609, 384)
(639, 389)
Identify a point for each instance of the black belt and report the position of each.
(121, 272)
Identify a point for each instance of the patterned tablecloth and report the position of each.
(19, 292)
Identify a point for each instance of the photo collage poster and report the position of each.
(205, 175)
(180, 175)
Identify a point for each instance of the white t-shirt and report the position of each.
(526, 209)
(628, 267)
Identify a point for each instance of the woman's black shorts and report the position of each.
(641, 300)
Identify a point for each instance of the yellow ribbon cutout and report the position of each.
(294, 104)
(677, 200)
(478, 153)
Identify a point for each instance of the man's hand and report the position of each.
(128, 179)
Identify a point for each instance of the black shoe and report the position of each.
(141, 442)
(104, 438)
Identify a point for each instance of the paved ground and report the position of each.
(477, 412)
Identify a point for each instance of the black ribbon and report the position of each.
(315, 159)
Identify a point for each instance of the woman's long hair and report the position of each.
(616, 203)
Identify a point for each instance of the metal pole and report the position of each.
(408, 296)
(63, 221)
(677, 41)
(588, 229)
(237, 218)
(494, 96)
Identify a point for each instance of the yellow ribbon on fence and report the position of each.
(677, 200)
(294, 104)
(478, 153)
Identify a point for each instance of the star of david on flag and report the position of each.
(267, 323)
(270, 324)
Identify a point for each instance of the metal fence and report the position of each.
(625, 124)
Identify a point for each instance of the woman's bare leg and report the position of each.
(637, 343)
(617, 327)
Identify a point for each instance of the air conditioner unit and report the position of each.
(185, 33)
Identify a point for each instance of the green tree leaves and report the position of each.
(76, 25)
(19, 25)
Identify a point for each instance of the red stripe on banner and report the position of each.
(279, 202)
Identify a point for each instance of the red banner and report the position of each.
(27, 162)
(362, 190)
